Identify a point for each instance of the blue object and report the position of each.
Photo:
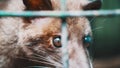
(87, 39)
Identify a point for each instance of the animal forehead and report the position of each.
(46, 26)
(69, 4)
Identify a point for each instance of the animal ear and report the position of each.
(93, 5)
(37, 4)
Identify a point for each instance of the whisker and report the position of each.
(98, 28)
(39, 51)
(21, 58)
(42, 62)
(56, 63)
(92, 19)
(39, 56)
(56, 58)
(104, 20)
(37, 61)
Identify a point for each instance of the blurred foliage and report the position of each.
(106, 32)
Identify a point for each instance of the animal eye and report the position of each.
(87, 39)
(57, 41)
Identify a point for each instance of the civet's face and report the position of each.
(39, 38)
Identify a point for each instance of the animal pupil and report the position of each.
(57, 41)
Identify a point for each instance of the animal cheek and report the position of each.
(24, 52)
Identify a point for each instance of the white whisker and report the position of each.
(98, 28)
(92, 19)
(56, 58)
(37, 61)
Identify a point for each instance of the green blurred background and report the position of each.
(106, 34)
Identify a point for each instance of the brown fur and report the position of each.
(28, 42)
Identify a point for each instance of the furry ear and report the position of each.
(93, 5)
(38, 4)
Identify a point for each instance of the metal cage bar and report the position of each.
(65, 55)
(60, 13)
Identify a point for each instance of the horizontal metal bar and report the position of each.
(60, 13)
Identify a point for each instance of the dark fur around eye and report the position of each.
(34, 42)
(37, 41)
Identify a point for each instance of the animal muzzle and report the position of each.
(78, 55)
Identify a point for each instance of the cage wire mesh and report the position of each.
(61, 14)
